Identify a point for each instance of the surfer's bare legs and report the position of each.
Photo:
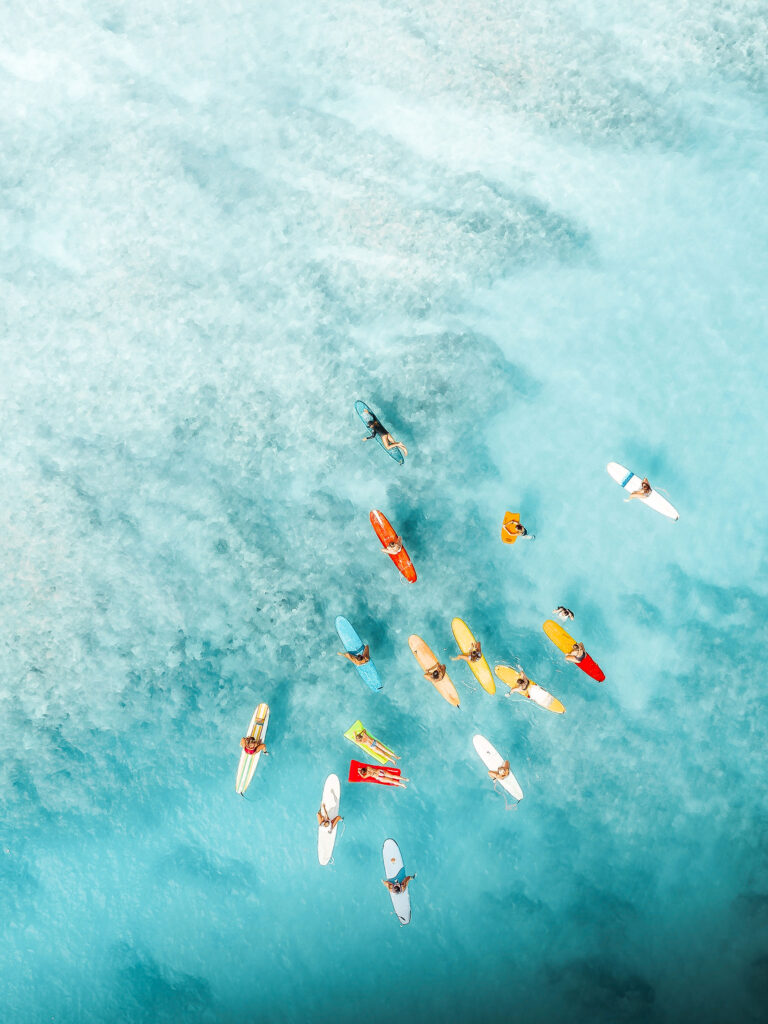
(499, 773)
(357, 659)
(436, 673)
(394, 547)
(576, 654)
(643, 492)
(389, 442)
(473, 654)
(363, 737)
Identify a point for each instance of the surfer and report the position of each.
(377, 428)
(364, 739)
(472, 655)
(643, 491)
(357, 659)
(576, 654)
(522, 685)
(500, 773)
(367, 772)
(436, 673)
(398, 887)
(394, 547)
(563, 613)
(325, 821)
(253, 746)
(515, 529)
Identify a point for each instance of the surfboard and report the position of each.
(381, 757)
(509, 517)
(394, 871)
(631, 482)
(493, 760)
(426, 659)
(480, 669)
(367, 416)
(354, 645)
(390, 774)
(248, 762)
(536, 693)
(564, 641)
(386, 534)
(326, 837)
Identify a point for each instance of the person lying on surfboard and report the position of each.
(253, 746)
(521, 686)
(386, 438)
(563, 613)
(357, 659)
(436, 673)
(643, 492)
(473, 654)
(324, 819)
(576, 654)
(394, 547)
(499, 773)
(364, 738)
(515, 529)
(398, 887)
(378, 773)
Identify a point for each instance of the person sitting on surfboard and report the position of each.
(473, 654)
(643, 491)
(394, 547)
(398, 887)
(378, 773)
(499, 773)
(253, 746)
(364, 738)
(576, 654)
(386, 438)
(436, 673)
(325, 820)
(563, 613)
(357, 659)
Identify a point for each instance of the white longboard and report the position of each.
(394, 871)
(493, 760)
(631, 482)
(326, 837)
(248, 762)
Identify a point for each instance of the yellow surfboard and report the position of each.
(481, 669)
(506, 535)
(562, 640)
(536, 693)
(426, 659)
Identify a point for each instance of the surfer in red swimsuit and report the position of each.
(253, 746)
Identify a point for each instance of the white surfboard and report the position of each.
(394, 871)
(247, 765)
(326, 837)
(493, 760)
(631, 482)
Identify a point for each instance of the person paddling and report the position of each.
(378, 429)
(325, 821)
(394, 547)
(563, 613)
(367, 772)
(576, 654)
(471, 656)
(500, 773)
(436, 673)
(357, 659)
(398, 887)
(522, 685)
(516, 529)
(253, 746)
(642, 492)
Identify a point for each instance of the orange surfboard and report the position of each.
(385, 533)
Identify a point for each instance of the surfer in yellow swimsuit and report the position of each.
(473, 654)
(500, 773)
(643, 491)
(325, 820)
(387, 440)
(576, 654)
(357, 659)
(436, 673)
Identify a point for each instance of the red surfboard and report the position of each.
(590, 666)
(386, 534)
(354, 773)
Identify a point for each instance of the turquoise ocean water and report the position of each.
(534, 237)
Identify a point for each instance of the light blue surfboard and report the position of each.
(354, 645)
(367, 417)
